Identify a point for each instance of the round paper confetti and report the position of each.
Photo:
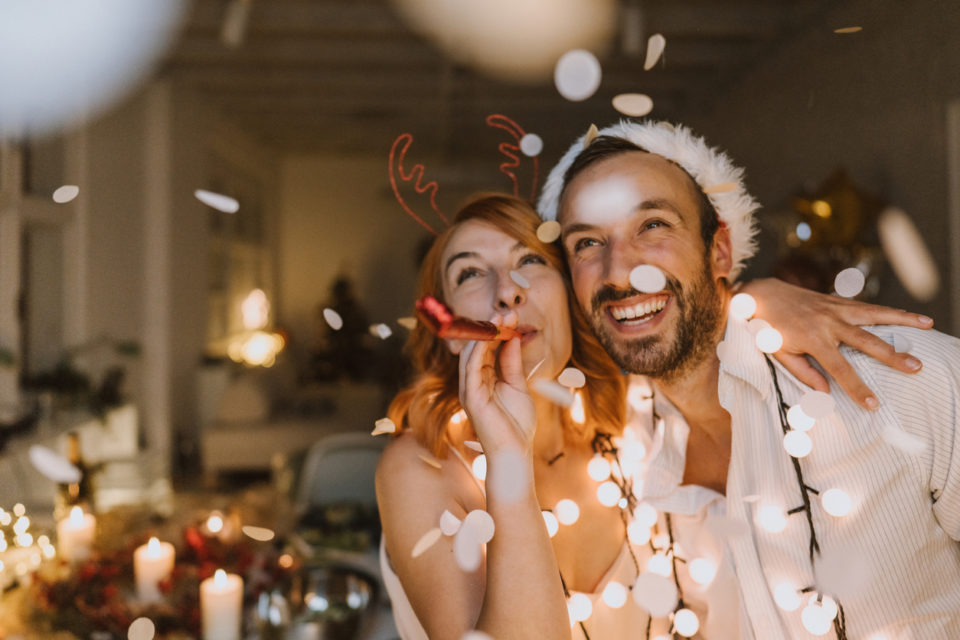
(531, 145)
(381, 331)
(577, 75)
(849, 282)
(901, 344)
(797, 419)
(407, 323)
(517, 277)
(900, 439)
(548, 231)
(817, 404)
(53, 465)
(425, 542)
(769, 340)
(567, 511)
(480, 525)
(836, 502)
(614, 595)
(686, 622)
(66, 193)
(553, 391)
(634, 105)
(655, 594)
(727, 353)
(261, 534)
(647, 278)
(797, 443)
(467, 551)
(572, 377)
(655, 46)
(333, 319)
(449, 523)
(141, 629)
(383, 425)
(218, 201)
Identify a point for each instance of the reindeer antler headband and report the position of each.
(415, 175)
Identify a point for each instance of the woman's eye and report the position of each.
(466, 274)
(532, 258)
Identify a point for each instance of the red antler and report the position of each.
(510, 151)
(397, 154)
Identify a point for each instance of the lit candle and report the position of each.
(152, 562)
(221, 602)
(75, 535)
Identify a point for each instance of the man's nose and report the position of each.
(618, 261)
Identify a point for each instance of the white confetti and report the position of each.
(449, 523)
(548, 231)
(467, 551)
(655, 46)
(849, 282)
(817, 404)
(901, 344)
(141, 629)
(480, 525)
(843, 30)
(756, 325)
(218, 201)
(531, 145)
(66, 193)
(908, 443)
(261, 534)
(381, 331)
(425, 542)
(723, 187)
(517, 277)
(655, 593)
(647, 278)
(407, 323)
(633, 105)
(333, 319)
(479, 467)
(909, 256)
(553, 391)
(53, 465)
(572, 377)
(577, 75)
(383, 425)
(473, 444)
(727, 353)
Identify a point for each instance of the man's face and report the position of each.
(638, 208)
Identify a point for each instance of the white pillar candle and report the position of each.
(221, 603)
(152, 562)
(75, 535)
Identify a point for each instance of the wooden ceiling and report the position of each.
(349, 75)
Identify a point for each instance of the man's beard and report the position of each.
(700, 309)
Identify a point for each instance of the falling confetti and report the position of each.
(590, 136)
(548, 231)
(727, 353)
(430, 460)
(467, 551)
(53, 465)
(817, 404)
(407, 323)
(425, 542)
(473, 444)
(848, 30)
(655, 46)
(647, 278)
(449, 523)
(531, 145)
(383, 425)
(480, 525)
(141, 629)
(66, 193)
(381, 331)
(724, 187)
(901, 344)
(479, 467)
(554, 392)
(218, 201)
(896, 437)
(333, 319)
(908, 254)
(849, 282)
(572, 377)
(260, 534)
(517, 277)
(656, 594)
(577, 75)
(634, 105)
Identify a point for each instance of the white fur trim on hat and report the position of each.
(709, 167)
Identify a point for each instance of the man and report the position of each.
(856, 537)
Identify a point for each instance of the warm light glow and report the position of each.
(24, 540)
(285, 561)
(598, 468)
(659, 564)
(786, 596)
(255, 310)
(638, 533)
(551, 521)
(220, 578)
(479, 467)
(580, 607)
(258, 349)
(686, 623)
(567, 511)
(76, 517)
(49, 551)
(215, 523)
(5, 519)
(21, 525)
(661, 541)
(19, 509)
(43, 541)
(615, 595)
(608, 494)
(815, 620)
(769, 340)
(458, 417)
(645, 514)
(797, 443)
(828, 604)
(153, 548)
(821, 208)
(577, 413)
(836, 502)
(702, 571)
(804, 231)
(797, 419)
(772, 519)
(218, 201)
(743, 306)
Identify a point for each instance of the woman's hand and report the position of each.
(816, 324)
(500, 408)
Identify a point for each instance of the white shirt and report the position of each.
(893, 562)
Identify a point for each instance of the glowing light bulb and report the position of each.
(702, 571)
(769, 340)
(21, 525)
(5, 519)
(480, 467)
(551, 521)
(615, 595)
(577, 413)
(772, 519)
(686, 623)
(638, 532)
(797, 419)
(598, 468)
(580, 607)
(836, 502)
(214, 523)
(662, 541)
(743, 306)
(815, 620)
(458, 417)
(797, 443)
(608, 494)
(646, 514)
(804, 231)
(567, 511)
(828, 604)
(659, 564)
(786, 596)
(19, 509)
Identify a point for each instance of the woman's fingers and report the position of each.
(861, 313)
(881, 350)
(799, 366)
(846, 376)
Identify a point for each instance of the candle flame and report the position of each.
(220, 578)
(76, 516)
(153, 547)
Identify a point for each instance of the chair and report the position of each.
(340, 468)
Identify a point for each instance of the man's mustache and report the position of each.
(608, 293)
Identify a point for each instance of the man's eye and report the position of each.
(584, 243)
(653, 224)
(466, 274)
(532, 258)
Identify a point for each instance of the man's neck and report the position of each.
(695, 396)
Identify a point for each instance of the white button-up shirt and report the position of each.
(893, 562)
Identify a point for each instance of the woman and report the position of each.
(489, 265)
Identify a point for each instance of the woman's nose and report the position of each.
(509, 293)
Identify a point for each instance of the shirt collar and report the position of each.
(741, 359)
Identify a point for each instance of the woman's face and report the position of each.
(477, 284)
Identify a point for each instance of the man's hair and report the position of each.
(603, 147)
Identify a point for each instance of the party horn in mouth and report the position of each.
(441, 321)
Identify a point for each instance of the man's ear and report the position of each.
(721, 253)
